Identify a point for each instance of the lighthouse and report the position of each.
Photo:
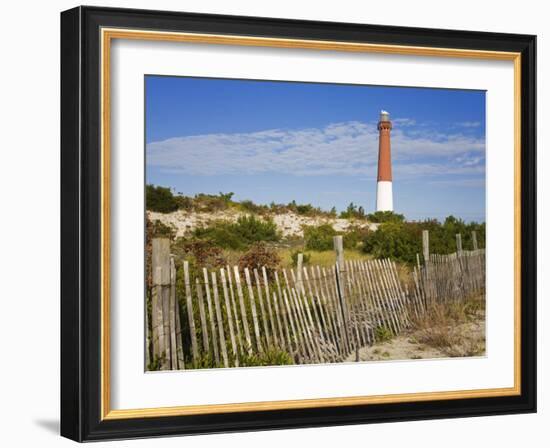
(384, 194)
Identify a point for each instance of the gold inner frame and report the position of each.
(107, 35)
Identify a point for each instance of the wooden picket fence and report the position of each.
(315, 314)
(451, 277)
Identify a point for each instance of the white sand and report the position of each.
(289, 224)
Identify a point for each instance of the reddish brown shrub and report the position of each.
(260, 255)
(205, 253)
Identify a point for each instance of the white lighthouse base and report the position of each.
(384, 196)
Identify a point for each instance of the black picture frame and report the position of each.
(81, 224)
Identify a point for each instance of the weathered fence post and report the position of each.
(160, 265)
(147, 339)
(190, 318)
(229, 318)
(156, 316)
(426, 246)
(211, 317)
(202, 313)
(219, 318)
(426, 254)
(340, 282)
(474, 239)
(299, 269)
(243, 310)
(459, 244)
(179, 341)
(461, 265)
(172, 314)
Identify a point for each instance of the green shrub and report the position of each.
(252, 229)
(239, 235)
(382, 334)
(305, 209)
(222, 234)
(396, 240)
(155, 363)
(270, 357)
(203, 361)
(226, 197)
(319, 238)
(354, 236)
(443, 235)
(277, 208)
(184, 202)
(403, 240)
(451, 226)
(387, 216)
(249, 206)
(353, 212)
(161, 230)
(294, 257)
(210, 202)
(160, 199)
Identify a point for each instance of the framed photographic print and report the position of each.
(273, 223)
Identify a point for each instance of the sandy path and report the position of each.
(406, 346)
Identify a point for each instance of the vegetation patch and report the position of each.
(200, 252)
(321, 238)
(382, 334)
(163, 200)
(386, 216)
(258, 256)
(294, 257)
(241, 234)
(403, 240)
(452, 328)
(160, 199)
(270, 357)
(353, 212)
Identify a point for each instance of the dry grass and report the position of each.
(325, 258)
(322, 258)
(456, 329)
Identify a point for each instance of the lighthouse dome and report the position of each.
(384, 115)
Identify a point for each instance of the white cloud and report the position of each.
(417, 170)
(469, 160)
(468, 183)
(349, 148)
(469, 124)
(403, 122)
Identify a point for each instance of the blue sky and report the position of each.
(317, 143)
